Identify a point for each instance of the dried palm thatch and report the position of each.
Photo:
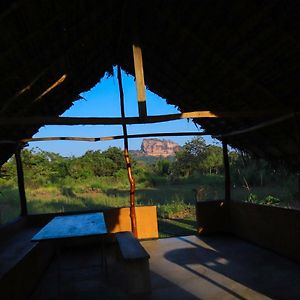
(236, 56)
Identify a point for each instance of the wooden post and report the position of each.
(227, 173)
(132, 193)
(139, 80)
(20, 173)
(298, 194)
(127, 159)
(297, 134)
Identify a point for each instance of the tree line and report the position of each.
(194, 158)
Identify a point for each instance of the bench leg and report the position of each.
(103, 260)
(58, 257)
(138, 277)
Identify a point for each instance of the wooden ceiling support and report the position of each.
(48, 120)
(21, 185)
(105, 138)
(256, 127)
(139, 80)
(226, 172)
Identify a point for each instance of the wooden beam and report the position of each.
(47, 120)
(105, 138)
(139, 80)
(256, 127)
(227, 173)
(21, 185)
(9, 8)
(51, 87)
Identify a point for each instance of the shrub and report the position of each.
(271, 200)
(171, 209)
(252, 198)
(268, 200)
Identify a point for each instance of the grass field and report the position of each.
(175, 202)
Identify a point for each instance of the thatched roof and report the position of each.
(234, 56)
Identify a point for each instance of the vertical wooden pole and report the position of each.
(132, 193)
(20, 174)
(127, 159)
(298, 194)
(139, 80)
(297, 134)
(227, 173)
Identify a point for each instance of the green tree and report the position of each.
(116, 155)
(189, 157)
(8, 170)
(163, 167)
(212, 161)
(37, 166)
(79, 168)
(105, 163)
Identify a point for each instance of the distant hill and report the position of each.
(154, 149)
(157, 147)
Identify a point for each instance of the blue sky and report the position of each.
(102, 101)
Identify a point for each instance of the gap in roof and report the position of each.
(103, 101)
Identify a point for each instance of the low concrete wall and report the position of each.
(272, 227)
(275, 228)
(212, 217)
(118, 219)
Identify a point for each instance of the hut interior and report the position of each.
(231, 67)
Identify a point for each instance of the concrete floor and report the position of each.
(216, 267)
(219, 268)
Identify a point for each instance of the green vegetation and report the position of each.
(98, 180)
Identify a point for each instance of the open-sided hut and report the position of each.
(237, 64)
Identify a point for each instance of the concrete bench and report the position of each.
(136, 263)
(21, 262)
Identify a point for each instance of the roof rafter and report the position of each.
(47, 120)
(105, 138)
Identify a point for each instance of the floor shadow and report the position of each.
(162, 288)
(253, 267)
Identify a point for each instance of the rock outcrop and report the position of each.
(157, 147)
